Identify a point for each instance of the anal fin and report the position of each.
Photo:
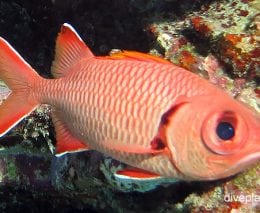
(66, 142)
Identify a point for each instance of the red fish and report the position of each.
(139, 109)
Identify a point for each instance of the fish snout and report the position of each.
(249, 155)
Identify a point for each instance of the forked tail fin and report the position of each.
(18, 75)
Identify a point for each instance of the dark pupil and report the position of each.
(225, 130)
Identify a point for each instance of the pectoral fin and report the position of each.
(131, 148)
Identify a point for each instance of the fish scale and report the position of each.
(139, 101)
(137, 108)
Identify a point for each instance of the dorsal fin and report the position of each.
(133, 55)
(70, 48)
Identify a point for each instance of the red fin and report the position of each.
(136, 149)
(14, 70)
(13, 110)
(70, 48)
(18, 75)
(135, 173)
(133, 55)
(66, 142)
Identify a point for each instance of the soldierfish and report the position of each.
(158, 118)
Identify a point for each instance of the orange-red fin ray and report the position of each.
(66, 142)
(70, 49)
(13, 110)
(19, 76)
(133, 55)
(135, 173)
(14, 70)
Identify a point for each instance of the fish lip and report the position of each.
(246, 161)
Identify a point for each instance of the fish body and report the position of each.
(139, 109)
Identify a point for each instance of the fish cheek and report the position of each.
(184, 139)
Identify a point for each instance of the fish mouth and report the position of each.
(244, 163)
(248, 161)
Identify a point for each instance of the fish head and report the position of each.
(213, 137)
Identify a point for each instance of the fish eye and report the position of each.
(225, 131)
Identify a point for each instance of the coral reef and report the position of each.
(219, 42)
(4, 91)
(215, 39)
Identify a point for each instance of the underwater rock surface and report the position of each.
(215, 39)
